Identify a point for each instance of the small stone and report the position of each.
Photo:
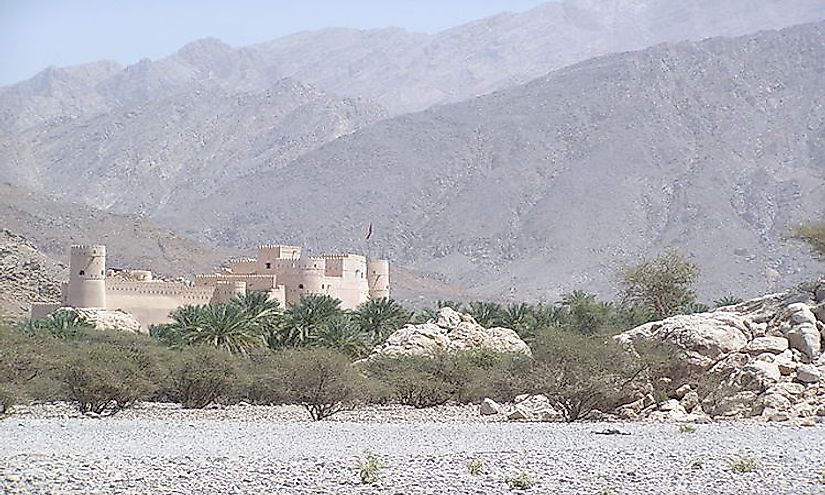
(807, 373)
(489, 407)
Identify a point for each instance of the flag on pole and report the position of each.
(369, 231)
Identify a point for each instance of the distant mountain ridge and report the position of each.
(540, 186)
(716, 147)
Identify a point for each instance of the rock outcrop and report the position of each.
(106, 320)
(761, 358)
(450, 331)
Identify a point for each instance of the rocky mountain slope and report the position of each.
(166, 151)
(132, 241)
(715, 147)
(411, 71)
(26, 276)
(402, 71)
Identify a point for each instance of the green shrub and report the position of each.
(321, 380)
(369, 469)
(580, 374)
(687, 429)
(475, 467)
(663, 284)
(521, 481)
(419, 381)
(743, 464)
(104, 379)
(200, 376)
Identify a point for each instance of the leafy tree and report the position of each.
(814, 235)
(580, 374)
(303, 320)
(380, 317)
(321, 380)
(663, 284)
(420, 381)
(199, 376)
(104, 379)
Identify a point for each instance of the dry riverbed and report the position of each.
(161, 449)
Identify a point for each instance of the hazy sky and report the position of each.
(35, 34)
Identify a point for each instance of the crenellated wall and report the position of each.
(279, 271)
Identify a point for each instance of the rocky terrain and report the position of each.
(489, 195)
(715, 147)
(450, 331)
(252, 449)
(26, 276)
(762, 358)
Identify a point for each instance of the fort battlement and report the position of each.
(157, 288)
(280, 271)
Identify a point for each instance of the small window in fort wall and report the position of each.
(268, 266)
(300, 286)
(82, 272)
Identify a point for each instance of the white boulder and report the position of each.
(450, 331)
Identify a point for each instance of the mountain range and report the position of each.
(565, 168)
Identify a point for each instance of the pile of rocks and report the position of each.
(524, 408)
(761, 358)
(450, 331)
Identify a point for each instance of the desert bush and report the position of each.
(812, 233)
(369, 469)
(419, 381)
(199, 376)
(104, 378)
(743, 464)
(580, 374)
(475, 466)
(663, 284)
(521, 481)
(322, 380)
(687, 429)
(497, 376)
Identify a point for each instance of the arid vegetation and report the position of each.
(253, 351)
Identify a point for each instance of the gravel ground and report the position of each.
(160, 449)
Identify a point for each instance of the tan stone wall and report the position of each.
(151, 302)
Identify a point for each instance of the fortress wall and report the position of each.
(151, 302)
(243, 266)
(272, 252)
(42, 310)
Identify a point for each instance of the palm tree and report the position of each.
(304, 319)
(263, 312)
(487, 314)
(380, 317)
(64, 324)
(225, 326)
(728, 300)
(341, 333)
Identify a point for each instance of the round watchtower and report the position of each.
(87, 278)
(378, 278)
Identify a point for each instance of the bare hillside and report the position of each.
(715, 147)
